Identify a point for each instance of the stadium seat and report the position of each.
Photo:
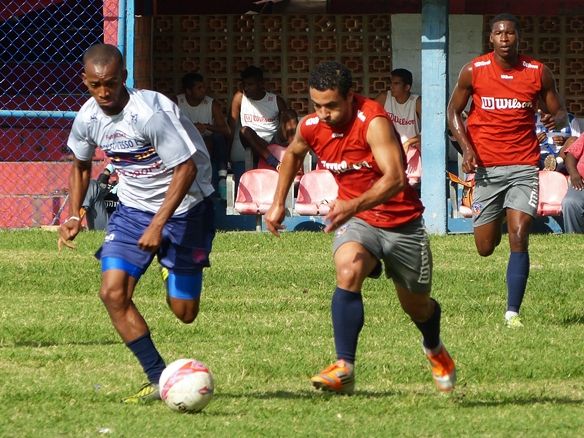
(414, 166)
(255, 193)
(315, 191)
(552, 190)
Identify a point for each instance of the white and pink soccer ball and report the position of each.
(186, 385)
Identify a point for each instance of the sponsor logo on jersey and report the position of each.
(400, 120)
(482, 63)
(361, 116)
(337, 135)
(312, 121)
(503, 103)
(254, 118)
(343, 166)
(504, 76)
(528, 65)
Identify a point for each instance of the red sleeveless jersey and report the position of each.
(501, 122)
(345, 152)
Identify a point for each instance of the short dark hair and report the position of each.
(103, 54)
(404, 74)
(331, 75)
(252, 72)
(288, 114)
(505, 17)
(190, 79)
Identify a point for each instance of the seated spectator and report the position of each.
(283, 137)
(256, 112)
(573, 203)
(551, 142)
(100, 200)
(404, 110)
(207, 115)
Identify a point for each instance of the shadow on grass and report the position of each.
(573, 320)
(520, 401)
(304, 394)
(53, 343)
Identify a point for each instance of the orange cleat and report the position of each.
(339, 378)
(443, 369)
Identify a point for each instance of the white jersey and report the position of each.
(201, 113)
(403, 115)
(144, 143)
(261, 115)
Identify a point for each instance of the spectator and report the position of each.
(207, 115)
(257, 113)
(100, 200)
(405, 111)
(377, 217)
(283, 137)
(165, 181)
(573, 202)
(500, 146)
(551, 142)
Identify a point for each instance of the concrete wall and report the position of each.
(465, 42)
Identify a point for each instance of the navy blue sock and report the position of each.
(146, 353)
(430, 328)
(348, 318)
(517, 273)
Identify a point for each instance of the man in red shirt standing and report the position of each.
(377, 217)
(500, 146)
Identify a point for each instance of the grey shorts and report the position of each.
(405, 250)
(500, 187)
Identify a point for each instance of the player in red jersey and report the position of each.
(500, 145)
(377, 217)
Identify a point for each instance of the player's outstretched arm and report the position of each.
(289, 167)
(78, 183)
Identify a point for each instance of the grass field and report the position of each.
(264, 328)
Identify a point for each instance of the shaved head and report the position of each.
(103, 54)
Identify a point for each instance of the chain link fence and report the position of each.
(41, 46)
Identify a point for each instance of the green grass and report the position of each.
(264, 329)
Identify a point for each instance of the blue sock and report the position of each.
(517, 273)
(146, 353)
(430, 329)
(348, 318)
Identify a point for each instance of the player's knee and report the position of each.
(113, 297)
(184, 291)
(485, 251)
(349, 276)
(185, 311)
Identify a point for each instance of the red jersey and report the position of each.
(345, 152)
(501, 122)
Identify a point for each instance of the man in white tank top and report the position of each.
(257, 113)
(405, 111)
(207, 115)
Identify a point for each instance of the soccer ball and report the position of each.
(186, 385)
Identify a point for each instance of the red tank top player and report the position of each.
(501, 118)
(345, 152)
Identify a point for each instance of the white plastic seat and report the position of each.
(315, 192)
(553, 187)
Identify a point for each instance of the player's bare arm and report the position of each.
(293, 159)
(78, 183)
(182, 179)
(458, 100)
(557, 116)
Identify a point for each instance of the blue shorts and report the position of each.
(186, 238)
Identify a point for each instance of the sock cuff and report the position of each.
(138, 339)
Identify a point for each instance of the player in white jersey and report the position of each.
(164, 184)
(258, 113)
(207, 115)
